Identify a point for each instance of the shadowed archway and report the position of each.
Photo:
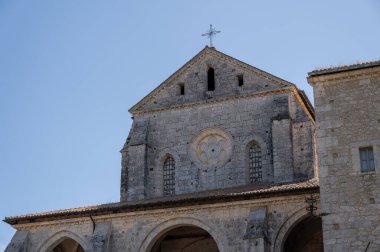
(185, 239)
(67, 245)
(305, 236)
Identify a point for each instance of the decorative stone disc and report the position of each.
(211, 148)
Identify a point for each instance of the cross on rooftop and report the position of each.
(210, 33)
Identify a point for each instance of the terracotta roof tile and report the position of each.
(343, 68)
(221, 195)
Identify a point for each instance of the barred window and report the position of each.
(255, 165)
(169, 175)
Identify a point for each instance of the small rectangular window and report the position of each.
(181, 89)
(367, 162)
(240, 80)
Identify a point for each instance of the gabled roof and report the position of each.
(250, 192)
(204, 52)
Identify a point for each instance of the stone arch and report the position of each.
(163, 154)
(58, 237)
(173, 223)
(305, 235)
(287, 226)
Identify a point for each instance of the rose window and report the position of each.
(211, 148)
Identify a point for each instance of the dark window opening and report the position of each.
(367, 162)
(240, 80)
(181, 89)
(210, 79)
(169, 176)
(255, 164)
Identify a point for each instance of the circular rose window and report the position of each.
(211, 148)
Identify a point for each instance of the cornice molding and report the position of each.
(339, 77)
(289, 199)
(214, 101)
(305, 105)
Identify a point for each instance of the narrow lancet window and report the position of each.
(255, 164)
(182, 89)
(240, 80)
(169, 176)
(211, 79)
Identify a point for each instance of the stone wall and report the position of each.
(348, 117)
(266, 120)
(227, 223)
(194, 78)
(209, 133)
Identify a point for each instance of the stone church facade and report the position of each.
(222, 156)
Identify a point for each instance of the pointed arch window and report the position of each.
(211, 79)
(169, 176)
(255, 162)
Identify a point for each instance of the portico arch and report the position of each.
(166, 226)
(305, 236)
(288, 226)
(60, 237)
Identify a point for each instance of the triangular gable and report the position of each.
(202, 54)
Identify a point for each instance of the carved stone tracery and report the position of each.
(211, 148)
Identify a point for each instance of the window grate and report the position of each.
(169, 176)
(255, 164)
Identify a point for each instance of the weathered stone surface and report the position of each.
(100, 240)
(137, 231)
(348, 117)
(19, 242)
(264, 110)
(257, 224)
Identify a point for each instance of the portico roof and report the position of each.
(261, 190)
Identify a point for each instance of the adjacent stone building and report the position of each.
(221, 157)
(347, 102)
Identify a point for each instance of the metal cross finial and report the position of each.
(210, 33)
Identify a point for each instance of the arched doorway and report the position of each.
(68, 245)
(185, 239)
(305, 236)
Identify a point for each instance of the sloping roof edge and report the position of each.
(207, 197)
(338, 69)
(188, 63)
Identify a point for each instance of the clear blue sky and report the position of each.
(70, 70)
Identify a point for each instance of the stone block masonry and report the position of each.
(347, 105)
(264, 110)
